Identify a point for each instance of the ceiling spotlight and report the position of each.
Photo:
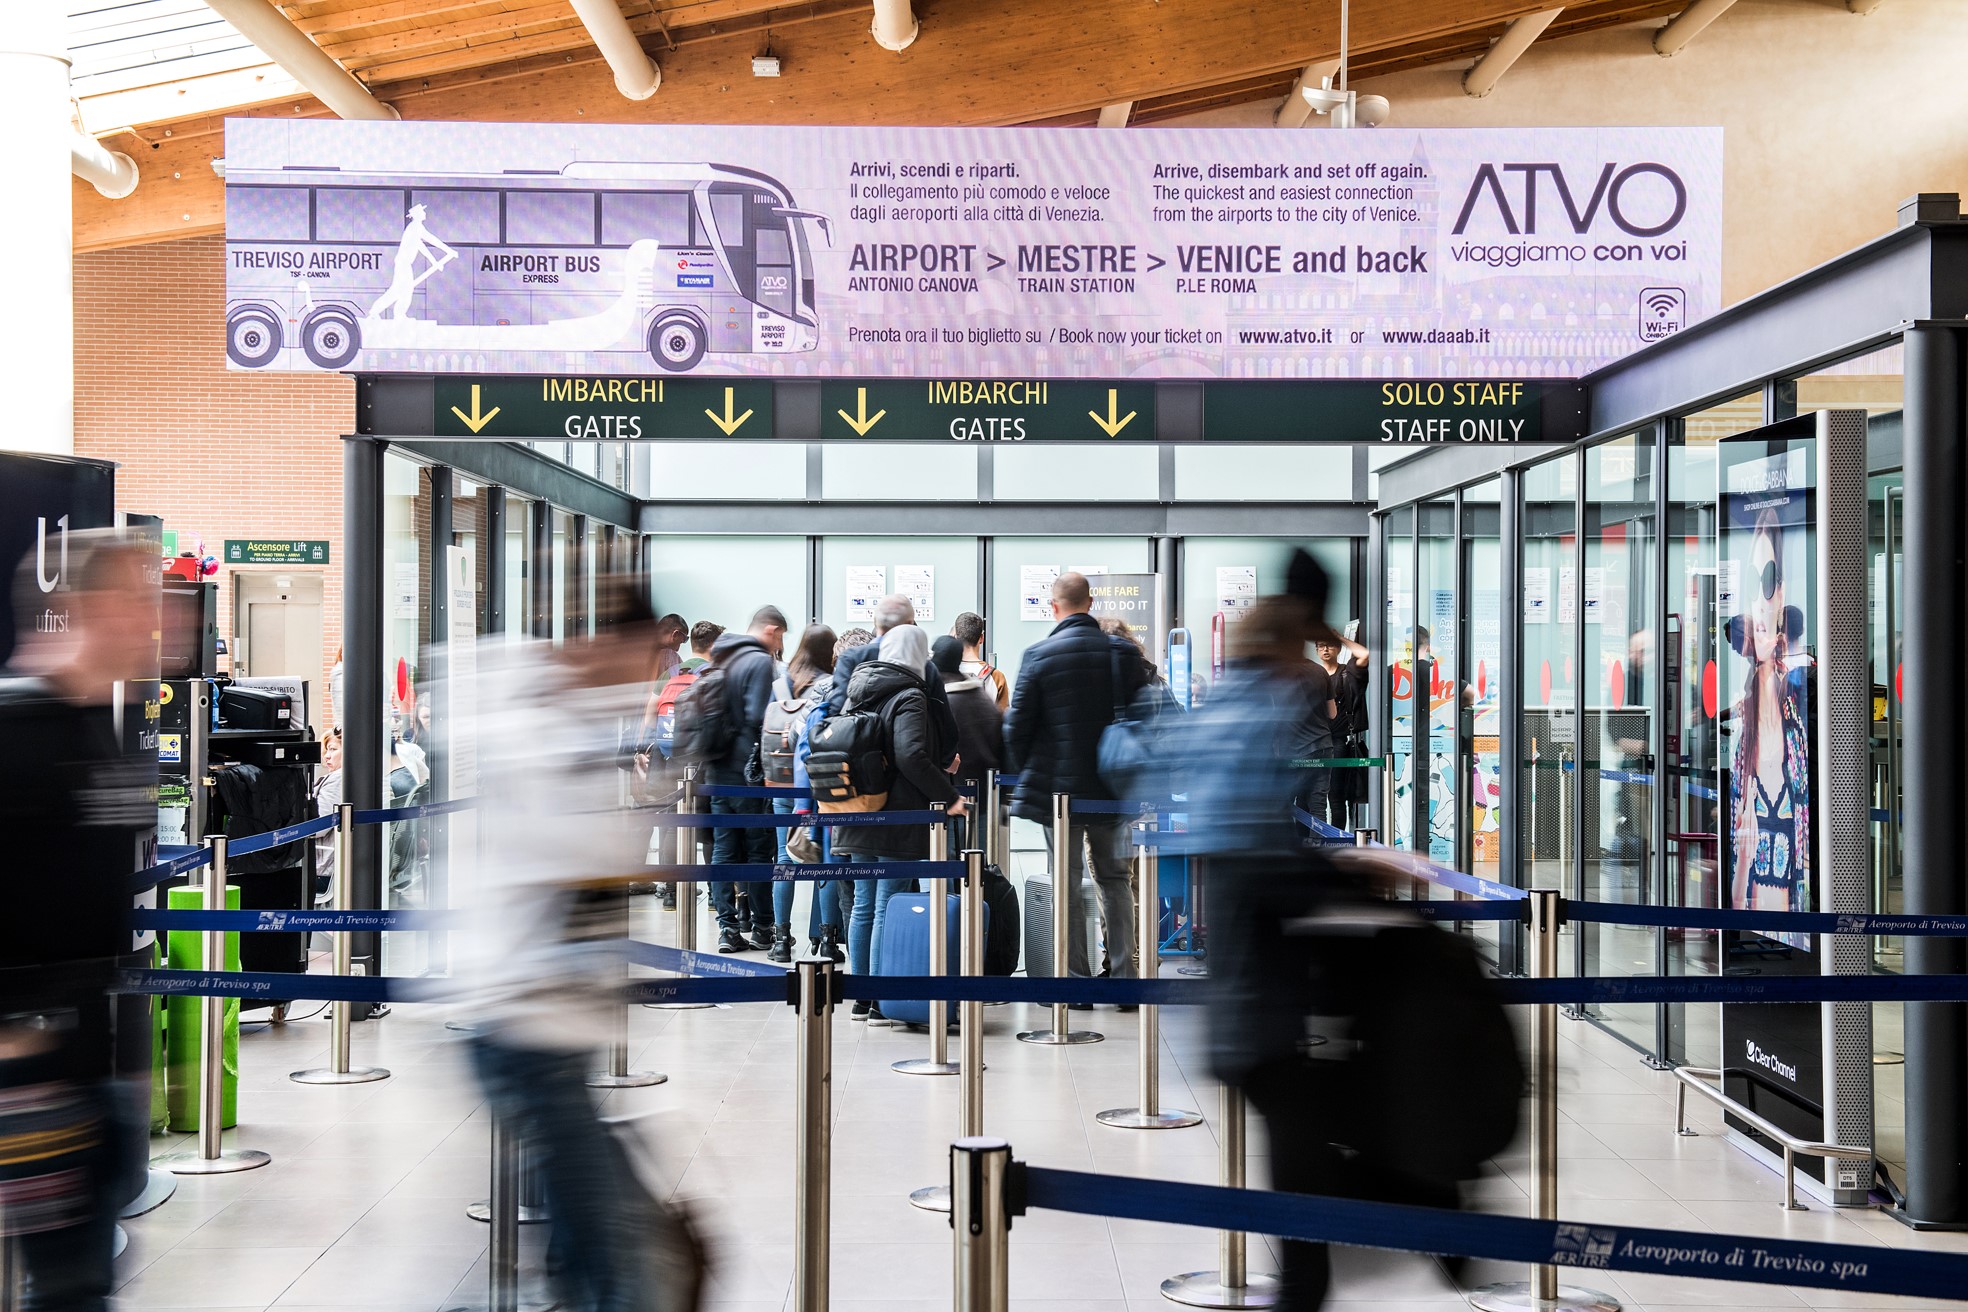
(765, 65)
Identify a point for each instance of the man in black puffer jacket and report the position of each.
(747, 660)
(1065, 699)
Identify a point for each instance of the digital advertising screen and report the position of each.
(1766, 602)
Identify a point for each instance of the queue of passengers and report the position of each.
(931, 718)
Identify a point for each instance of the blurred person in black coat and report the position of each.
(78, 815)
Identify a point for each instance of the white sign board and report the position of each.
(431, 247)
(1035, 591)
(1236, 588)
(866, 586)
(918, 584)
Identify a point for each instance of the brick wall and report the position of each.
(218, 453)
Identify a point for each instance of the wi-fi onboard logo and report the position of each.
(1663, 312)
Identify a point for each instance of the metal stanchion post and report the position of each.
(211, 1158)
(502, 1279)
(980, 1224)
(814, 1112)
(1542, 1292)
(1149, 1114)
(985, 822)
(338, 1070)
(1231, 1284)
(938, 1062)
(1065, 888)
(687, 854)
(618, 1075)
(970, 1028)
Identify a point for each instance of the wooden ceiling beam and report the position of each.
(1010, 62)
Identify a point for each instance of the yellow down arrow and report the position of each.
(727, 423)
(475, 420)
(859, 420)
(1110, 425)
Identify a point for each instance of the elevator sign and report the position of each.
(276, 551)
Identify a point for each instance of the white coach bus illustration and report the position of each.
(662, 261)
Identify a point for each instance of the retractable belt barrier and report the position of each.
(1338, 762)
(1585, 1244)
(1474, 885)
(696, 964)
(791, 871)
(827, 819)
(185, 862)
(310, 921)
(773, 792)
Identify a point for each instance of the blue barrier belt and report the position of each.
(393, 813)
(1434, 874)
(1015, 988)
(1501, 1238)
(771, 793)
(700, 964)
(275, 837)
(763, 988)
(1736, 988)
(264, 984)
(793, 872)
(1095, 806)
(826, 819)
(1799, 922)
(151, 876)
(311, 921)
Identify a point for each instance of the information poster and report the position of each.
(918, 584)
(866, 586)
(1035, 591)
(1568, 594)
(1236, 589)
(1595, 587)
(1537, 594)
(1016, 253)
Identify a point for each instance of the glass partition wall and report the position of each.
(1613, 595)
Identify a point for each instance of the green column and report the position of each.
(183, 1017)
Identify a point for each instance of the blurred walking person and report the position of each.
(78, 814)
(1300, 944)
(542, 961)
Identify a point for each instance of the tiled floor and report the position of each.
(363, 1206)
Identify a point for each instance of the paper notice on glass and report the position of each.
(1088, 570)
(1728, 575)
(866, 585)
(1595, 592)
(1236, 588)
(918, 584)
(1568, 595)
(1035, 591)
(403, 590)
(1537, 594)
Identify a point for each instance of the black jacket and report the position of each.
(915, 754)
(1064, 699)
(748, 689)
(939, 704)
(980, 726)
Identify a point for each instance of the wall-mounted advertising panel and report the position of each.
(963, 252)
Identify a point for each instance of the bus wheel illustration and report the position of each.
(330, 338)
(252, 337)
(677, 341)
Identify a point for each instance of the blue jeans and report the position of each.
(601, 1213)
(864, 930)
(782, 889)
(738, 847)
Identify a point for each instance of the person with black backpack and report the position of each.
(882, 752)
(719, 723)
(1299, 933)
(804, 685)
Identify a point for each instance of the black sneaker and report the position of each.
(731, 940)
(859, 1011)
(760, 941)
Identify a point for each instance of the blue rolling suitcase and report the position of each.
(905, 949)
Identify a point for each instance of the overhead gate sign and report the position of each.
(1021, 253)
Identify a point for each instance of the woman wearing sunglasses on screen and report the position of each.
(1770, 778)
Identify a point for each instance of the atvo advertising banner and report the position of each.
(963, 252)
